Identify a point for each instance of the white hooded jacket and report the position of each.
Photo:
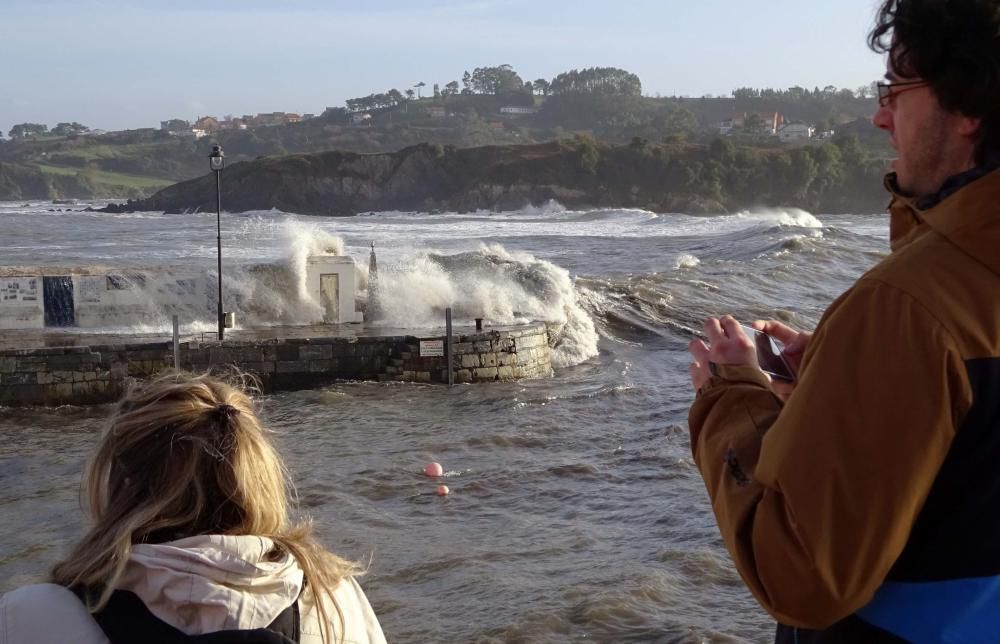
(197, 585)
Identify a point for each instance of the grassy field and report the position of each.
(91, 152)
(111, 178)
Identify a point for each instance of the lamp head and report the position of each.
(217, 160)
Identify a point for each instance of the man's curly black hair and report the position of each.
(955, 46)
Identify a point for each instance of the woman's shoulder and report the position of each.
(361, 624)
(43, 613)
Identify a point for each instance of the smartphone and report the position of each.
(769, 355)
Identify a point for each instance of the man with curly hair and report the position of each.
(860, 504)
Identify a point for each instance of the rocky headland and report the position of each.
(576, 172)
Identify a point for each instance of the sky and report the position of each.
(118, 64)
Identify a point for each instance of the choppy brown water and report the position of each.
(576, 513)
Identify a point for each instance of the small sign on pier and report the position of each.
(431, 348)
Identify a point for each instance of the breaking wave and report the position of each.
(491, 283)
(783, 217)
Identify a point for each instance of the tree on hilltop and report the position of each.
(608, 81)
(380, 101)
(497, 81)
(810, 106)
(24, 130)
(68, 129)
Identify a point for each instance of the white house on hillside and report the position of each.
(515, 109)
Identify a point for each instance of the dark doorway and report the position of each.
(58, 298)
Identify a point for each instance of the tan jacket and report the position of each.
(197, 585)
(818, 498)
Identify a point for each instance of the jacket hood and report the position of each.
(211, 583)
(969, 218)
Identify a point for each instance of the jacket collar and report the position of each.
(966, 211)
(904, 214)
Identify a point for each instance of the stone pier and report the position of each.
(94, 369)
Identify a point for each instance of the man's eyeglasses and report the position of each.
(887, 92)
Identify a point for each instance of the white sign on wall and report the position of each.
(29, 291)
(431, 348)
(90, 289)
(23, 289)
(20, 303)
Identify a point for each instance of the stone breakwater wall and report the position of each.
(97, 374)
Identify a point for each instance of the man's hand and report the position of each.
(727, 344)
(795, 345)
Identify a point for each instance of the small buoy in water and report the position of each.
(433, 469)
(443, 490)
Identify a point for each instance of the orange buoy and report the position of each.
(442, 490)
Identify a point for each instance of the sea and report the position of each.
(576, 513)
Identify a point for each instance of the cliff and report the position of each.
(577, 173)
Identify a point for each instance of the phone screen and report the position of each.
(769, 356)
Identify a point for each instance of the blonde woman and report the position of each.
(191, 537)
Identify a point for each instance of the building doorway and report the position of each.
(57, 295)
(329, 297)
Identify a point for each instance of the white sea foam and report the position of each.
(492, 283)
(273, 290)
(686, 261)
(304, 241)
(549, 207)
(783, 217)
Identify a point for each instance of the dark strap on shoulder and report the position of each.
(126, 620)
(852, 630)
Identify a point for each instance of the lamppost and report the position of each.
(217, 161)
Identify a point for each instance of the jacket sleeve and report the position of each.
(815, 500)
(46, 614)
